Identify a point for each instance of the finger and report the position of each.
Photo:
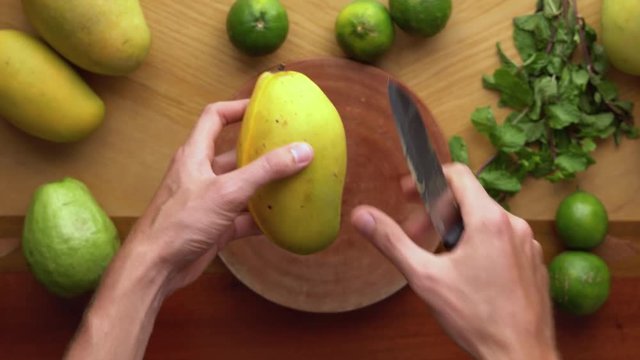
(215, 117)
(224, 163)
(389, 238)
(274, 165)
(468, 191)
(244, 226)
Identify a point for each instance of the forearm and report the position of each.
(119, 321)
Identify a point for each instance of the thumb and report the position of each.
(276, 164)
(391, 240)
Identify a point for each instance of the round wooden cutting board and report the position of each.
(351, 273)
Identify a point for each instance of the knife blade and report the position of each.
(425, 167)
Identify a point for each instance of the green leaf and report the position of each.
(562, 115)
(505, 61)
(597, 122)
(552, 8)
(572, 162)
(526, 22)
(569, 91)
(488, 82)
(607, 89)
(533, 130)
(514, 90)
(537, 63)
(537, 162)
(565, 43)
(546, 88)
(556, 65)
(580, 78)
(500, 180)
(508, 138)
(483, 120)
(525, 43)
(587, 145)
(458, 150)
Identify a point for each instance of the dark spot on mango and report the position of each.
(269, 206)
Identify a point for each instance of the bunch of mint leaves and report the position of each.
(561, 103)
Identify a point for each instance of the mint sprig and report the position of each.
(562, 107)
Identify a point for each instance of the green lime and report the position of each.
(257, 27)
(579, 282)
(421, 17)
(68, 240)
(364, 30)
(581, 221)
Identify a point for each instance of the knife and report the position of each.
(425, 168)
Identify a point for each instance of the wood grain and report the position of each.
(151, 112)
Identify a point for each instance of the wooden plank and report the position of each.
(218, 317)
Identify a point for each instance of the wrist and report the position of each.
(124, 307)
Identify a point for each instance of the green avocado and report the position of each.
(68, 240)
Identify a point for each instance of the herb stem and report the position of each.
(589, 62)
(583, 43)
(521, 115)
(565, 7)
(485, 164)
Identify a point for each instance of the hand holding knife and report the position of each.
(425, 167)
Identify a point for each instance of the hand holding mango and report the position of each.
(201, 204)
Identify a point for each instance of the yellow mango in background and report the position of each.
(621, 34)
(301, 213)
(41, 94)
(105, 37)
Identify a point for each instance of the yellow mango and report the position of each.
(105, 37)
(300, 213)
(41, 94)
(621, 34)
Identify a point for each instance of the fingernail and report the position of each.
(302, 153)
(366, 224)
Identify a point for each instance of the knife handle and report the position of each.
(447, 219)
(452, 236)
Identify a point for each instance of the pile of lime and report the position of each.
(580, 281)
(364, 29)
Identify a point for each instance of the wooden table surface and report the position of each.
(151, 112)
